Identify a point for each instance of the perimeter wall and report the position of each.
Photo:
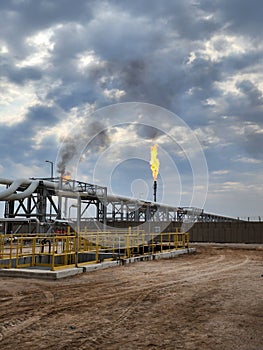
(227, 232)
(221, 232)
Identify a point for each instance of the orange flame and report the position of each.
(66, 176)
(154, 162)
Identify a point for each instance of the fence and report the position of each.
(55, 252)
(227, 232)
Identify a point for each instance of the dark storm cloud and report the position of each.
(186, 18)
(139, 44)
(132, 40)
(25, 18)
(246, 106)
(40, 115)
(147, 132)
(131, 50)
(237, 62)
(252, 93)
(20, 75)
(201, 75)
(242, 16)
(134, 73)
(68, 40)
(130, 43)
(142, 48)
(254, 144)
(17, 142)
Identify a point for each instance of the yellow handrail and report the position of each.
(60, 251)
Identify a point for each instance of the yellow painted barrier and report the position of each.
(59, 251)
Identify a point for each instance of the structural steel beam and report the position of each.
(31, 198)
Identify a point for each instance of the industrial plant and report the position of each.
(59, 222)
(38, 227)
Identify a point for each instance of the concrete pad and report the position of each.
(40, 273)
(43, 273)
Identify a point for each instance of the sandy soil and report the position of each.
(209, 300)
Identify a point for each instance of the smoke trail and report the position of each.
(67, 152)
(90, 137)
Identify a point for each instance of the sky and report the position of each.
(91, 85)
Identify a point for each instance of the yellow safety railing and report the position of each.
(62, 251)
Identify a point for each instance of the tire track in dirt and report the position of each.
(18, 324)
(208, 269)
(76, 300)
(75, 287)
(111, 289)
(107, 331)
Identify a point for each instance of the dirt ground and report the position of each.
(212, 299)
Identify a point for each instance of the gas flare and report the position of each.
(66, 176)
(154, 162)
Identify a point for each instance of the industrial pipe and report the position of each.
(4, 181)
(65, 192)
(28, 220)
(9, 193)
(27, 192)
(11, 189)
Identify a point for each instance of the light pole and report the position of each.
(51, 168)
(51, 175)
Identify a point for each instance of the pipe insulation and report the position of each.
(11, 189)
(9, 193)
(25, 182)
(27, 192)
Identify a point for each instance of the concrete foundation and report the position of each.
(43, 273)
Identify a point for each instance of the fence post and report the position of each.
(97, 248)
(187, 239)
(176, 239)
(17, 249)
(53, 254)
(33, 251)
(127, 248)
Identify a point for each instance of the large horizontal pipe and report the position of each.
(4, 181)
(11, 189)
(27, 192)
(112, 198)
(65, 192)
(26, 182)
(25, 220)
(9, 193)
(115, 198)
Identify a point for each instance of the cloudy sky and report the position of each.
(186, 75)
